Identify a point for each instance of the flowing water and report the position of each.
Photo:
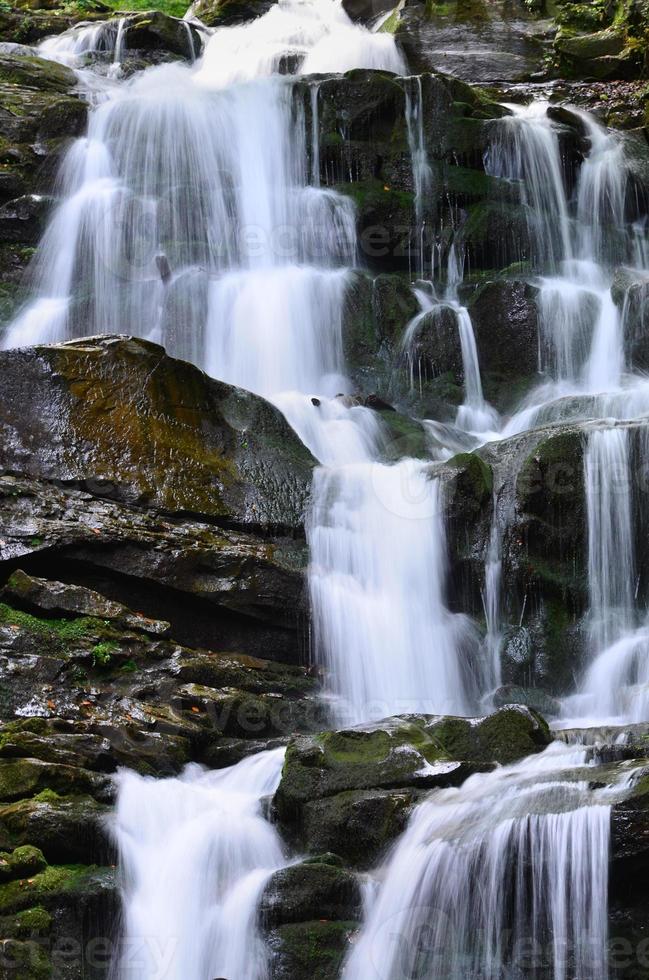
(195, 854)
(192, 214)
(505, 876)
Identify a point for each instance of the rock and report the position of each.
(40, 113)
(225, 13)
(310, 890)
(180, 570)
(59, 598)
(150, 430)
(359, 824)
(414, 752)
(630, 838)
(601, 55)
(67, 829)
(434, 348)
(495, 235)
(367, 11)
(21, 778)
(630, 292)
(23, 862)
(153, 30)
(474, 40)
(309, 950)
(505, 321)
(530, 697)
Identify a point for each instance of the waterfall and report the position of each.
(610, 535)
(195, 853)
(422, 174)
(378, 569)
(505, 875)
(616, 683)
(474, 415)
(525, 149)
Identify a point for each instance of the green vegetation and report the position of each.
(175, 8)
(56, 634)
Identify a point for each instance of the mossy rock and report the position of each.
(309, 950)
(359, 824)
(412, 752)
(310, 890)
(21, 778)
(119, 414)
(67, 829)
(224, 13)
(54, 885)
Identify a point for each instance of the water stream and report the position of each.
(192, 214)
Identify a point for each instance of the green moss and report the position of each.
(355, 748)
(44, 887)
(56, 634)
(175, 8)
(48, 796)
(390, 25)
(313, 949)
(478, 474)
(35, 920)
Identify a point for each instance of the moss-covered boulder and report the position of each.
(67, 829)
(309, 950)
(417, 752)
(316, 889)
(150, 430)
(505, 321)
(359, 825)
(225, 13)
(155, 31)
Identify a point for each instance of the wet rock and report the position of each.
(178, 569)
(309, 950)
(310, 890)
(67, 829)
(528, 696)
(414, 752)
(630, 293)
(21, 778)
(152, 31)
(151, 430)
(359, 824)
(505, 321)
(496, 235)
(225, 13)
(476, 40)
(40, 113)
(62, 599)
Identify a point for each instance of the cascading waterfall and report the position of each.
(192, 215)
(195, 853)
(422, 174)
(506, 875)
(474, 415)
(610, 535)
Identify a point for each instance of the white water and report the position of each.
(506, 873)
(189, 202)
(195, 853)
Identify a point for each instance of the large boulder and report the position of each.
(338, 781)
(505, 321)
(150, 430)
